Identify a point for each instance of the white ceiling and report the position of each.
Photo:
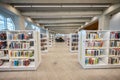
(62, 16)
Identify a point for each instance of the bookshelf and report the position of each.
(19, 50)
(99, 49)
(67, 39)
(73, 42)
(51, 40)
(44, 42)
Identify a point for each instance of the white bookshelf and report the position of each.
(21, 51)
(73, 43)
(99, 49)
(44, 42)
(51, 40)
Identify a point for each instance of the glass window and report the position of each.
(33, 26)
(26, 24)
(2, 23)
(37, 29)
(10, 24)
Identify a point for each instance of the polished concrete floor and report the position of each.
(60, 64)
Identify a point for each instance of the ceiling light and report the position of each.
(22, 5)
(60, 6)
(46, 6)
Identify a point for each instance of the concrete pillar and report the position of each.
(104, 22)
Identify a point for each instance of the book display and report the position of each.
(44, 42)
(99, 49)
(73, 42)
(51, 40)
(67, 39)
(19, 50)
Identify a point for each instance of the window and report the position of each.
(10, 24)
(26, 23)
(33, 26)
(37, 29)
(2, 23)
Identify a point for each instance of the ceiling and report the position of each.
(61, 16)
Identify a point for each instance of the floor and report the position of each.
(60, 64)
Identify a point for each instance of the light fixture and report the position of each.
(61, 6)
(85, 5)
(46, 6)
(22, 5)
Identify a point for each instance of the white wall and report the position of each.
(115, 22)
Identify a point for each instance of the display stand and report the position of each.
(44, 42)
(99, 49)
(74, 42)
(19, 50)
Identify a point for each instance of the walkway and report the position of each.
(59, 64)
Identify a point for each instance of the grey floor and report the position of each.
(59, 64)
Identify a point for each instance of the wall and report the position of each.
(115, 22)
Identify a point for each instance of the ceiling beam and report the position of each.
(60, 17)
(61, 21)
(63, 14)
(60, 25)
(60, 1)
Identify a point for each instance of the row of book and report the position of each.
(21, 45)
(74, 40)
(115, 43)
(74, 44)
(74, 48)
(20, 62)
(94, 43)
(94, 35)
(75, 36)
(21, 53)
(43, 44)
(92, 60)
(43, 35)
(94, 52)
(115, 35)
(43, 48)
(20, 36)
(114, 51)
(3, 36)
(3, 45)
(113, 60)
(4, 53)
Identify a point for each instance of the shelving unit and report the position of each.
(51, 40)
(67, 39)
(73, 42)
(99, 49)
(44, 42)
(19, 50)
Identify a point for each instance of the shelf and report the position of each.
(32, 64)
(114, 47)
(21, 40)
(74, 41)
(32, 48)
(22, 57)
(4, 49)
(96, 48)
(114, 56)
(114, 39)
(3, 40)
(4, 57)
(95, 39)
(100, 63)
(95, 56)
(5, 65)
